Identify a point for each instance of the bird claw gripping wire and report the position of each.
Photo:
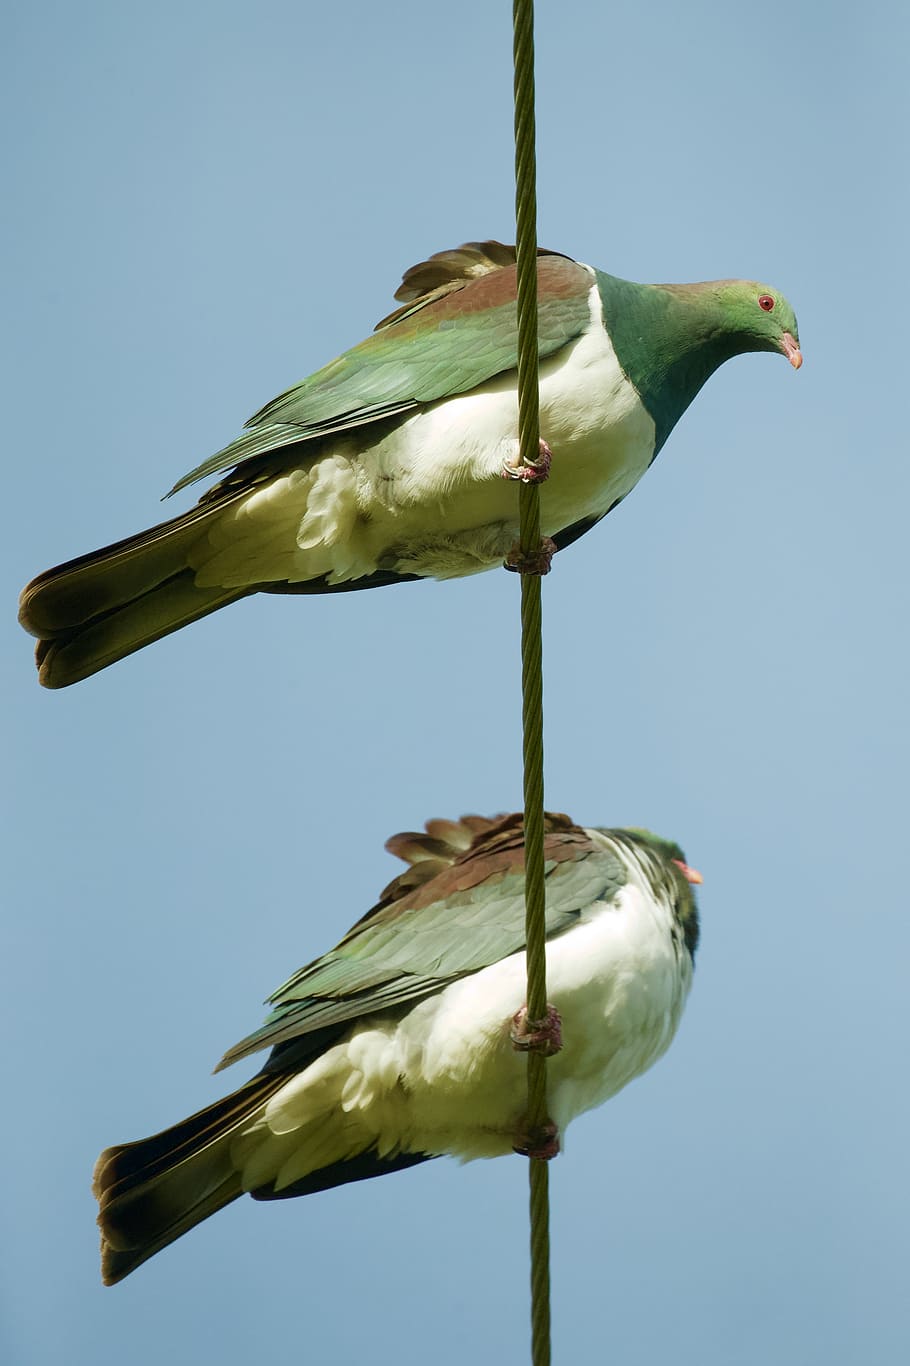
(541, 1142)
(536, 1036)
(535, 562)
(532, 472)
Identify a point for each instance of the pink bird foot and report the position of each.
(536, 1036)
(537, 562)
(535, 472)
(542, 1143)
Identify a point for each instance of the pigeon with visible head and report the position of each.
(387, 465)
(402, 1043)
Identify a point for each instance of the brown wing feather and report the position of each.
(454, 856)
(449, 270)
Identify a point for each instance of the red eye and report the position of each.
(766, 302)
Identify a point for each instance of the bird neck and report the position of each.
(654, 858)
(669, 339)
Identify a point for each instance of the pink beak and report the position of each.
(690, 874)
(791, 350)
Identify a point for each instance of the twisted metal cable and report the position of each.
(531, 656)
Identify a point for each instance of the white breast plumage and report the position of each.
(427, 498)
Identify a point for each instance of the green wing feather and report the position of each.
(443, 345)
(464, 916)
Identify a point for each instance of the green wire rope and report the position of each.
(531, 657)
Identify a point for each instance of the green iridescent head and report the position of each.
(670, 339)
(760, 314)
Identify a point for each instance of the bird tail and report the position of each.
(151, 1192)
(99, 608)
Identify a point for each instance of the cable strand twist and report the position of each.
(531, 655)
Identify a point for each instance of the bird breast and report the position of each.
(426, 496)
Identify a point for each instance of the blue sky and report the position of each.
(209, 201)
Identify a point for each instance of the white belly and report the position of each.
(428, 498)
(619, 987)
(445, 1078)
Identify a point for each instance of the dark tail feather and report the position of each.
(363, 1167)
(153, 1191)
(102, 640)
(99, 608)
(90, 612)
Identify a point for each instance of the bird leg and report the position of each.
(536, 562)
(542, 1142)
(536, 1036)
(533, 472)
